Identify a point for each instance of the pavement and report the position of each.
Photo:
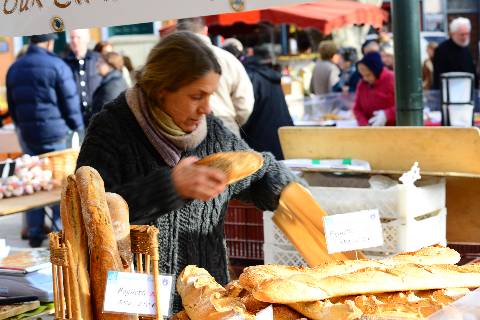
(10, 228)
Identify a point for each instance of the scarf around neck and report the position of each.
(169, 146)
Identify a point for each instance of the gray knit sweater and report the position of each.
(191, 232)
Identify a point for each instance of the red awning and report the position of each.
(324, 15)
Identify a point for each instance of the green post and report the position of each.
(408, 79)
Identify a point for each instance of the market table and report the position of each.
(24, 203)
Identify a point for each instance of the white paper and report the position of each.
(352, 231)
(22, 18)
(265, 314)
(134, 293)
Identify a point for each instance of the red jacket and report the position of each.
(379, 96)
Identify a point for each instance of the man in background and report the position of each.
(44, 105)
(233, 100)
(454, 53)
(83, 63)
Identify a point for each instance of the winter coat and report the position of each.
(270, 110)
(379, 96)
(90, 76)
(111, 86)
(42, 97)
(191, 231)
(450, 57)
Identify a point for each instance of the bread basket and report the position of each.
(144, 249)
(62, 163)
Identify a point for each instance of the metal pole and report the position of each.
(408, 79)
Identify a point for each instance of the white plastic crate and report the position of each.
(400, 235)
(395, 202)
(280, 255)
(272, 234)
(403, 235)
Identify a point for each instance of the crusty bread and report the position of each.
(104, 255)
(74, 234)
(429, 255)
(397, 305)
(119, 214)
(236, 165)
(255, 275)
(203, 298)
(402, 277)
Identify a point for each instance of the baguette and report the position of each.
(236, 165)
(204, 299)
(74, 234)
(402, 277)
(119, 214)
(398, 305)
(104, 255)
(182, 315)
(254, 276)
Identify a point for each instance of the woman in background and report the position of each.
(375, 96)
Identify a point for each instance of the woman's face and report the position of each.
(188, 104)
(366, 73)
(103, 68)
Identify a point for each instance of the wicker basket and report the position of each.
(145, 252)
(62, 163)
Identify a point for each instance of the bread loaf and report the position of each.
(119, 214)
(204, 299)
(255, 275)
(74, 234)
(397, 305)
(402, 277)
(104, 255)
(182, 315)
(236, 165)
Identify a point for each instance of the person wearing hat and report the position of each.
(375, 96)
(44, 105)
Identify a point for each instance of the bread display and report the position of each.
(204, 298)
(236, 165)
(406, 286)
(74, 233)
(102, 244)
(119, 214)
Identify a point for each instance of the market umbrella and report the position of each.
(322, 15)
(27, 17)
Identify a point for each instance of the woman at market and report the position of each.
(144, 145)
(375, 96)
(109, 66)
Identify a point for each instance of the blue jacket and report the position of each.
(42, 97)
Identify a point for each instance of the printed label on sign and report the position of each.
(134, 293)
(352, 231)
(265, 314)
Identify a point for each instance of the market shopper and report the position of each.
(83, 63)
(427, 67)
(43, 102)
(270, 111)
(325, 74)
(109, 66)
(453, 55)
(349, 76)
(375, 97)
(233, 100)
(144, 145)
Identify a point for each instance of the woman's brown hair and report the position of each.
(176, 61)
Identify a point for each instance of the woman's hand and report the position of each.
(197, 182)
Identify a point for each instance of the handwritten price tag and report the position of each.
(352, 231)
(134, 293)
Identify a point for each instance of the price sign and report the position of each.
(134, 293)
(352, 231)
